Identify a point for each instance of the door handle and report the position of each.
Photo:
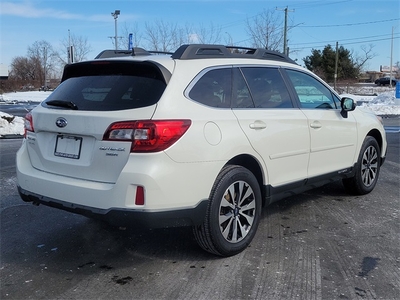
(258, 125)
(316, 125)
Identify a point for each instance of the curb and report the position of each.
(392, 129)
(11, 136)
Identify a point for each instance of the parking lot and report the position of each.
(323, 244)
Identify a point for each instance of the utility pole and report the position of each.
(285, 32)
(44, 67)
(336, 64)
(70, 49)
(285, 29)
(391, 59)
(115, 15)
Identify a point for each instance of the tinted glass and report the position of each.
(213, 88)
(109, 86)
(241, 97)
(267, 88)
(311, 92)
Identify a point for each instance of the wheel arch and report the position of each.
(252, 164)
(376, 134)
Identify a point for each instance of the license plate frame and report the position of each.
(68, 146)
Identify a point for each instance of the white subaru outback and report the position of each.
(203, 137)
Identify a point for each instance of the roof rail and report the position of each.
(134, 52)
(113, 53)
(161, 52)
(199, 51)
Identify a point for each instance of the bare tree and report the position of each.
(43, 55)
(81, 49)
(167, 37)
(266, 30)
(24, 69)
(208, 35)
(24, 73)
(361, 60)
(136, 35)
(162, 36)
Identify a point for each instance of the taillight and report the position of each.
(28, 124)
(149, 135)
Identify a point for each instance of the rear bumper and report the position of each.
(174, 195)
(126, 217)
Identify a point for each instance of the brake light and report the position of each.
(148, 135)
(28, 124)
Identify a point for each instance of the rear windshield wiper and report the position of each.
(61, 103)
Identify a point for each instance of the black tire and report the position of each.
(367, 169)
(233, 213)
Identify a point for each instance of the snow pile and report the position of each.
(384, 103)
(11, 125)
(33, 96)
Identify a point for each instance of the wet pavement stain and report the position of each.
(368, 264)
(122, 281)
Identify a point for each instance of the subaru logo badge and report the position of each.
(61, 122)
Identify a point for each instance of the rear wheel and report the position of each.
(367, 169)
(233, 213)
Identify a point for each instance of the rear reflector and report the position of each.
(139, 200)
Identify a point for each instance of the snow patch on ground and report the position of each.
(11, 125)
(33, 96)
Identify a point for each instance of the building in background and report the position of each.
(3, 72)
(3, 76)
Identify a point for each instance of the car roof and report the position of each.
(203, 54)
(203, 51)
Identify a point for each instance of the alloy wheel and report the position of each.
(369, 167)
(237, 211)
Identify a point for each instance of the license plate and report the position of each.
(68, 146)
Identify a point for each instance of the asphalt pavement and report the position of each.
(320, 245)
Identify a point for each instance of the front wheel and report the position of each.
(367, 169)
(233, 213)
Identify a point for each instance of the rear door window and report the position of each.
(267, 87)
(107, 86)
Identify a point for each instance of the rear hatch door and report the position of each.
(69, 125)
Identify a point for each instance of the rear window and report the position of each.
(104, 86)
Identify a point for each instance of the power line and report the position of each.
(297, 6)
(395, 38)
(343, 44)
(376, 38)
(349, 24)
(350, 39)
(319, 3)
(306, 5)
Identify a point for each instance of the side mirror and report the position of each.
(347, 105)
